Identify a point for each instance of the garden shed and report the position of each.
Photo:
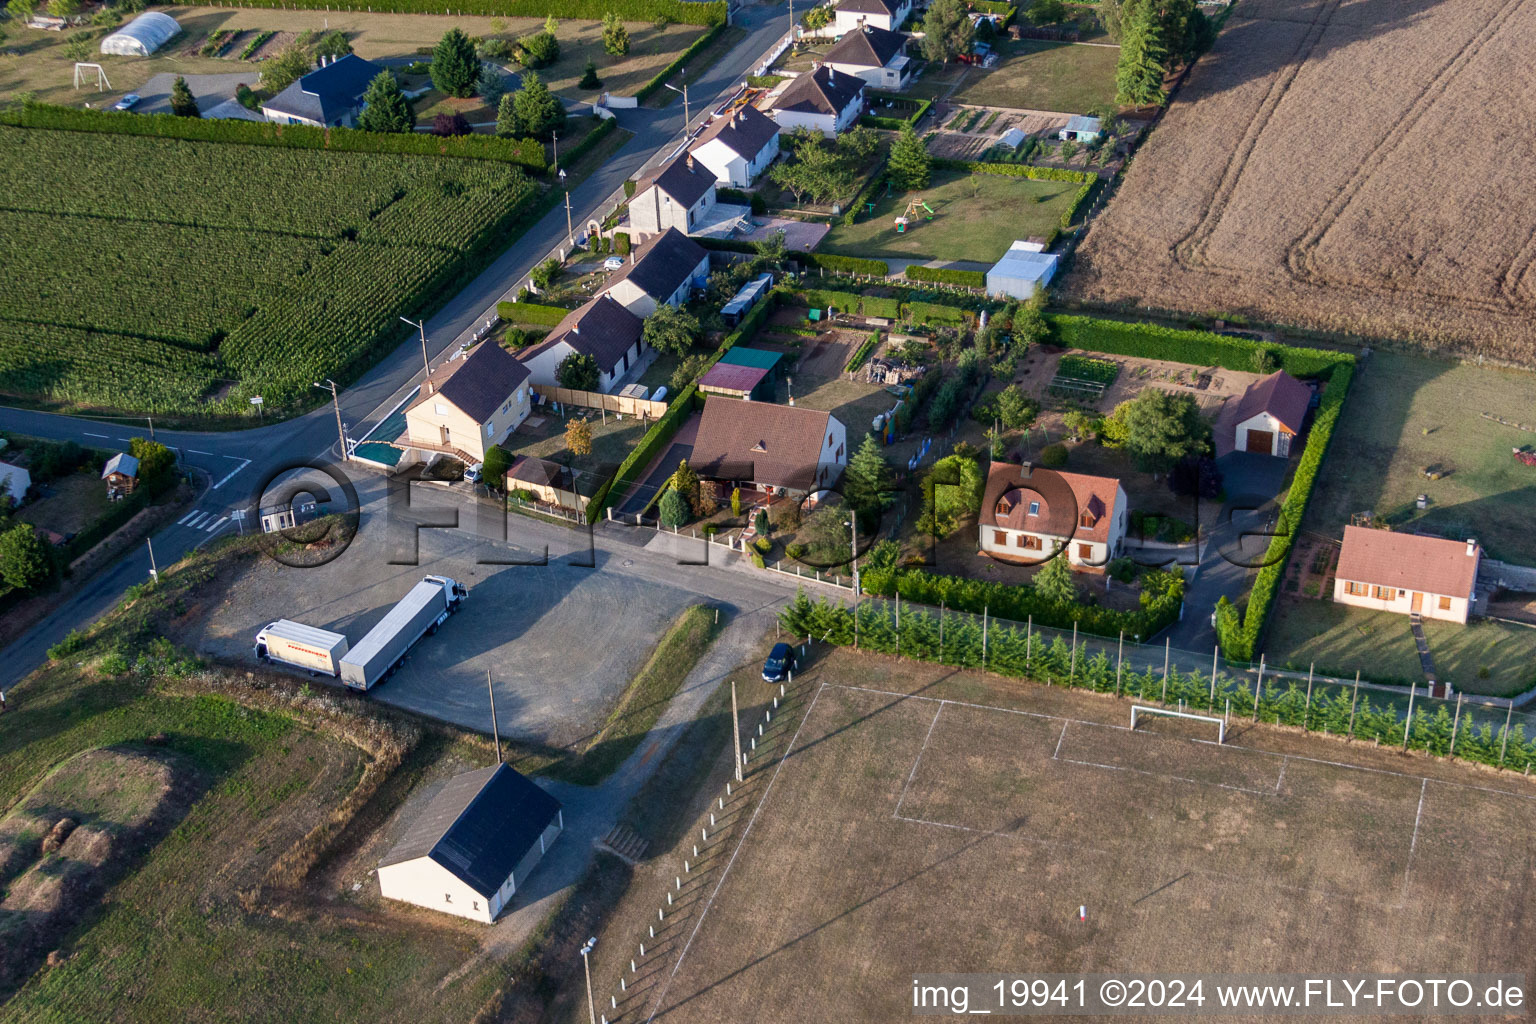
(1021, 272)
(142, 36)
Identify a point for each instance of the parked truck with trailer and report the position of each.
(293, 643)
(419, 612)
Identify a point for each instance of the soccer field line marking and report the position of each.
(1413, 844)
(1060, 740)
(1001, 835)
(918, 760)
(726, 871)
(1165, 775)
(1281, 777)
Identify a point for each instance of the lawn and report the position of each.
(1032, 74)
(611, 442)
(43, 69)
(70, 505)
(1407, 413)
(1342, 640)
(976, 218)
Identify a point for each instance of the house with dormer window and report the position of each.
(1027, 513)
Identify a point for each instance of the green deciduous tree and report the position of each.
(1015, 409)
(79, 47)
(910, 166)
(455, 66)
(385, 108)
(1047, 12)
(183, 103)
(615, 35)
(817, 18)
(157, 464)
(278, 73)
(21, 10)
(1054, 580)
(538, 50)
(25, 563)
(947, 31)
(822, 172)
(578, 371)
(671, 329)
(1159, 428)
(333, 44)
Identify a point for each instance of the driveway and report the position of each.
(209, 90)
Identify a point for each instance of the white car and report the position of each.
(127, 102)
(613, 262)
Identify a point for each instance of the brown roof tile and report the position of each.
(1408, 561)
(761, 442)
(1061, 497)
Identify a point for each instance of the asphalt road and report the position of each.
(237, 463)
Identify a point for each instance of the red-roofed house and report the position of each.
(1265, 420)
(1404, 572)
(1026, 513)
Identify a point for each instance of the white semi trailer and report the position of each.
(419, 612)
(293, 643)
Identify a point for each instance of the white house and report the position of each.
(330, 95)
(851, 15)
(473, 844)
(664, 271)
(602, 329)
(470, 403)
(738, 147)
(1024, 270)
(1028, 513)
(822, 100)
(1407, 573)
(679, 196)
(874, 54)
(14, 481)
(1266, 419)
(769, 447)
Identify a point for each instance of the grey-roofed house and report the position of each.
(470, 403)
(738, 146)
(873, 54)
(473, 844)
(330, 95)
(679, 196)
(664, 271)
(822, 100)
(602, 329)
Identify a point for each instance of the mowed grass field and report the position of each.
(976, 218)
(1245, 198)
(927, 819)
(1407, 414)
(1032, 74)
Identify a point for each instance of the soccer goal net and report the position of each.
(1142, 709)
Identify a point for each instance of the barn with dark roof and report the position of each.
(473, 845)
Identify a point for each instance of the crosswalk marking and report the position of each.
(183, 520)
(221, 522)
(196, 521)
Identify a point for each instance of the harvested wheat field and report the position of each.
(1356, 167)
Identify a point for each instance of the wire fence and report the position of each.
(1484, 730)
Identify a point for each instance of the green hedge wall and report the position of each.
(528, 153)
(1015, 170)
(531, 313)
(679, 11)
(681, 59)
(918, 109)
(1077, 200)
(934, 313)
(605, 128)
(862, 352)
(944, 275)
(845, 264)
(851, 214)
(1198, 348)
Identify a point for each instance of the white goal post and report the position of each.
(1221, 725)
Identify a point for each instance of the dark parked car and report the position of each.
(781, 662)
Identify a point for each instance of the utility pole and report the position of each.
(151, 420)
(586, 951)
(570, 229)
(154, 573)
(341, 433)
(684, 91)
(735, 731)
(495, 730)
(421, 325)
(554, 146)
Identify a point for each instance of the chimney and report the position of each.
(1471, 547)
(1025, 469)
(690, 162)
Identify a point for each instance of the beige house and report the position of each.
(470, 403)
(664, 272)
(1266, 419)
(679, 196)
(852, 15)
(769, 447)
(472, 846)
(1407, 573)
(1028, 513)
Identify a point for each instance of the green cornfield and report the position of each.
(176, 277)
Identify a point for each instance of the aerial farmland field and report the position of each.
(167, 276)
(1348, 167)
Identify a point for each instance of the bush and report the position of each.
(762, 544)
(449, 125)
(73, 643)
(1197, 348)
(846, 264)
(621, 242)
(944, 275)
(862, 352)
(538, 50)
(1053, 456)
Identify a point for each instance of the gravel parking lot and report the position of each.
(560, 640)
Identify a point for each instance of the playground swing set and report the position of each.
(914, 213)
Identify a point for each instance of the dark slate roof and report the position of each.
(478, 827)
(681, 180)
(869, 6)
(477, 383)
(529, 470)
(329, 93)
(662, 264)
(602, 329)
(871, 48)
(746, 131)
(822, 91)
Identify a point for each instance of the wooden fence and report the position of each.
(622, 404)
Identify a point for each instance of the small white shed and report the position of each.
(14, 481)
(1023, 271)
(142, 36)
(1081, 128)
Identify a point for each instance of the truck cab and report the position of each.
(453, 589)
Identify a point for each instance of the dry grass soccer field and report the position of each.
(1351, 167)
(926, 820)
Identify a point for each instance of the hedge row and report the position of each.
(862, 198)
(862, 352)
(683, 12)
(531, 313)
(935, 313)
(845, 264)
(944, 275)
(1077, 200)
(1198, 348)
(1019, 652)
(527, 153)
(1240, 644)
(605, 128)
(919, 108)
(1015, 170)
(1008, 11)
(681, 59)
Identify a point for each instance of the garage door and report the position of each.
(1261, 441)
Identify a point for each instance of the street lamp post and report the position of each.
(684, 91)
(341, 433)
(586, 968)
(554, 146)
(570, 230)
(421, 325)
